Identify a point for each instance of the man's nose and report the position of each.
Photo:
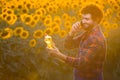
(83, 21)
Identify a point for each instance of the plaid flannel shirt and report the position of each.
(91, 52)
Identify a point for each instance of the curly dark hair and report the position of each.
(95, 12)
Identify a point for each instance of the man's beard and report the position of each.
(87, 28)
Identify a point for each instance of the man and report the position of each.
(88, 65)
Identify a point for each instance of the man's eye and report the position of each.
(87, 19)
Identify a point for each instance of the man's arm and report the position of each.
(93, 50)
(70, 41)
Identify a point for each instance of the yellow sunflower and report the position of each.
(106, 24)
(64, 16)
(105, 34)
(32, 23)
(62, 33)
(48, 31)
(114, 26)
(32, 43)
(57, 19)
(22, 17)
(7, 11)
(56, 29)
(24, 10)
(111, 2)
(79, 15)
(20, 5)
(29, 4)
(4, 10)
(74, 5)
(107, 28)
(18, 31)
(12, 6)
(43, 10)
(39, 12)
(7, 33)
(38, 34)
(24, 34)
(67, 24)
(36, 17)
(66, 5)
(4, 3)
(11, 19)
(47, 22)
(28, 19)
(14, 20)
(55, 8)
(3, 15)
(54, 24)
(50, 9)
(73, 19)
(116, 7)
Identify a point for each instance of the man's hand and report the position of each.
(53, 51)
(75, 28)
(56, 53)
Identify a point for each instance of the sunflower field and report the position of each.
(23, 23)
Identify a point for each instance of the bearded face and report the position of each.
(87, 21)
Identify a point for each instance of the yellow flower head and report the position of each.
(106, 34)
(7, 33)
(24, 10)
(116, 7)
(32, 23)
(47, 22)
(57, 19)
(105, 24)
(43, 11)
(18, 31)
(48, 31)
(12, 5)
(56, 29)
(28, 19)
(74, 5)
(50, 9)
(20, 5)
(64, 16)
(32, 43)
(73, 19)
(24, 34)
(7, 11)
(22, 17)
(29, 4)
(36, 17)
(38, 34)
(39, 12)
(62, 33)
(114, 26)
(54, 24)
(67, 24)
(11, 19)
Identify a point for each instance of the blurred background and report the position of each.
(23, 24)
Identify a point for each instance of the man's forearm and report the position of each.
(61, 56)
